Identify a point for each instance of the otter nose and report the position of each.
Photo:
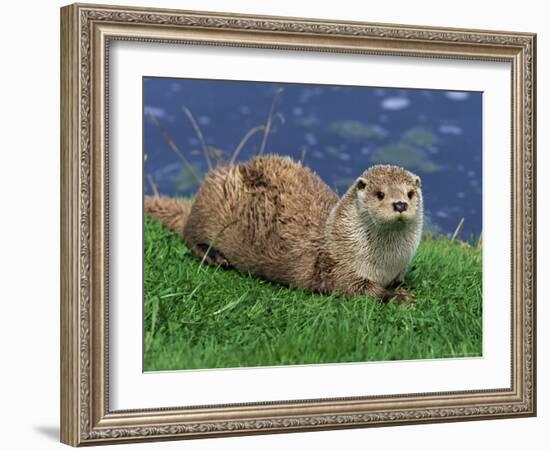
(399, 206)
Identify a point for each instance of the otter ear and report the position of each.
(417, 182)
(361, 184)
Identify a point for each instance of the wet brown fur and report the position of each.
(274, 218)
(173, 213)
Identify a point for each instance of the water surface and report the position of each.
(338, 131)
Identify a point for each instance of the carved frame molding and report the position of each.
(86, 32)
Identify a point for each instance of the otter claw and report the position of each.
(402, 297)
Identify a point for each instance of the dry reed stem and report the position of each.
(480, 240)
(153, 185)
(303, 155)
(166, 137)
(269, 122)
(198, 131)
(279, 116)
(458, 228)
(244, 140)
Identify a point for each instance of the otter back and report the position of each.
(266, 217)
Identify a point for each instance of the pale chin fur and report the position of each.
(395, 243)
(392, 222)
(375, 251)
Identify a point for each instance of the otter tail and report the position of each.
(171, 212)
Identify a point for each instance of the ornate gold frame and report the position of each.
(86, 31)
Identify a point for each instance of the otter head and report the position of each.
(389, 196)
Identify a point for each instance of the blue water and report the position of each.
(338, 131)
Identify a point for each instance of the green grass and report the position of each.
(198, 317)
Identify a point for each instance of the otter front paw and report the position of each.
(402, 297)
(399, 297)
(211, 255)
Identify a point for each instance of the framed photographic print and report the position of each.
(276, 224)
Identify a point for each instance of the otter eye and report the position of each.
(410, 194)
(380, 195)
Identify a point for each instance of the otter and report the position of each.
(275, 218)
